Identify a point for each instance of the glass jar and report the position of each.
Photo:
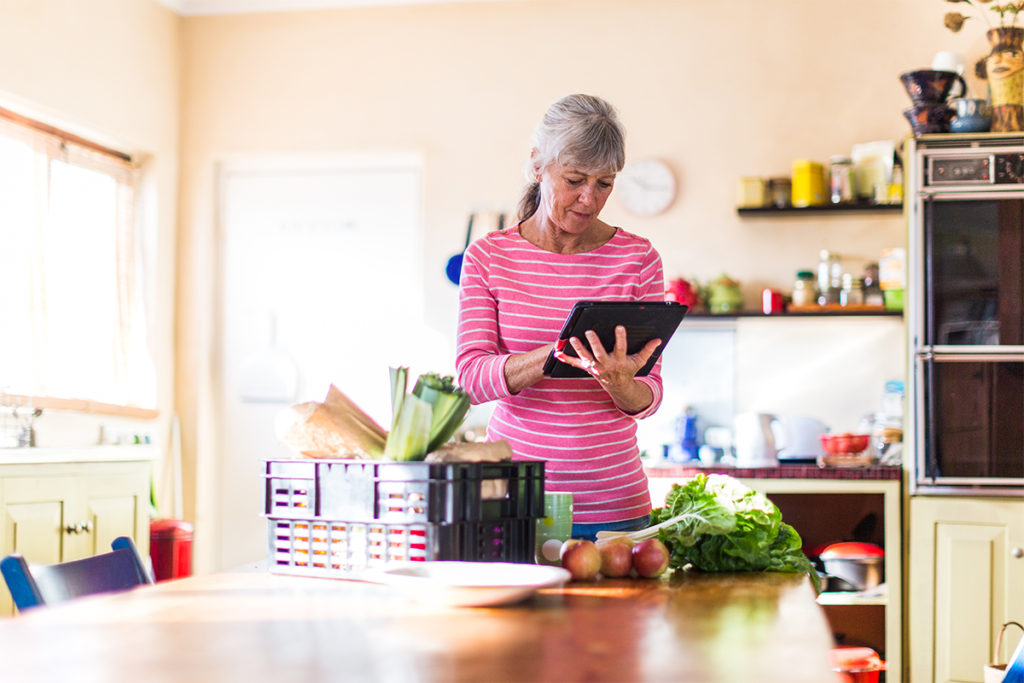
(779, 190)
(852, 293)
(840, 179)
(803, 289)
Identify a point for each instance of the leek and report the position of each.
(409, 439)
(450, 405)
(425, 419)
(399, 380)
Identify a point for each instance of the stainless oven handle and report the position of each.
(975, 348)
(1010, 355)
(940, 194)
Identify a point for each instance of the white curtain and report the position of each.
(71, 273)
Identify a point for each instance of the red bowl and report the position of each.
(845, 443)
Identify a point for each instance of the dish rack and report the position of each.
(336, 518)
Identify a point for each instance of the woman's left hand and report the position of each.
(615, 370)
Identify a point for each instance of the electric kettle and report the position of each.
(798, 439)
(755, 440)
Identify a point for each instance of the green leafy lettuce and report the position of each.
(714, 523)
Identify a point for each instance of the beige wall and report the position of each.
(108, 70)
(717, 89)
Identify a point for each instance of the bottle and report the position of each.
(688, 439)
(830, 273)
(803, 289)
(895, 195)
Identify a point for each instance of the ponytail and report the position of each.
(529, 202)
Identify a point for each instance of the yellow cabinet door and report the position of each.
(966, 580)
(66, 511)
(32, 521)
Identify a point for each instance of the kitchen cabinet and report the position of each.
(966, 571)
(825, 510)
(59, 505)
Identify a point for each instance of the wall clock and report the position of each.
(646, 187)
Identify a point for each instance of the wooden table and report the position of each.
(253, 626)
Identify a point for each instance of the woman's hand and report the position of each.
(615, 370)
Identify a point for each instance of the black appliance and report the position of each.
(965, 313)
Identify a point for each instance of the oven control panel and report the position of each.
(982, 169)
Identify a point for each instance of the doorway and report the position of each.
(320, 283)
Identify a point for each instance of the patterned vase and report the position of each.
(1004, 67)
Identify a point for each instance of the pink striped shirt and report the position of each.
(513, 298)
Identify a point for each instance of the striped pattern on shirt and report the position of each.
(513, 298)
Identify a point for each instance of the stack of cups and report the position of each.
(929, 91)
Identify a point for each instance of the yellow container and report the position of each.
(808, 183)
(750, 193)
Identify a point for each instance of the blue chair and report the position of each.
(36, 584)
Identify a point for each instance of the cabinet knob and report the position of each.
(79, 528)
(1017, 552)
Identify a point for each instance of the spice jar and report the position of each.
(840, 179)
(852, 293)
(803, 289)
(779, 190)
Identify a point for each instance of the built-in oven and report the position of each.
(965, 313)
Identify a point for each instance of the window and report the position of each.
(71, 270)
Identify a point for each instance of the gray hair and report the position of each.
(578, 130)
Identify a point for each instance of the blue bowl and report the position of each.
(976, 123)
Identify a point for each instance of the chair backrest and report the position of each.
(32, 585)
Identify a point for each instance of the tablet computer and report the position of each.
(643, 320)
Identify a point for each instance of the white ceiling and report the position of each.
(201, 7)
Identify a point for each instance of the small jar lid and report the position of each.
(804, 275)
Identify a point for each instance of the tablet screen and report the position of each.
(643, 320)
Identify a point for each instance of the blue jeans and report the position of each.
(589, 531)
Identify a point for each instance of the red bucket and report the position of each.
(170, 548)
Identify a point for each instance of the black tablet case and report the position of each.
(644, 320)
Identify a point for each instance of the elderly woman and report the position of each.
(516, 289)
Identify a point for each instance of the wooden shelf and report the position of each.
(824, 208)
(800, 312)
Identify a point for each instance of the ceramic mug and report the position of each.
(932, 86)
(929, 118)
(947, 60)
(971, 115)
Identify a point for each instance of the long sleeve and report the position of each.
(479, 360)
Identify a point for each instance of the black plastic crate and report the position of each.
(320, 547)
(403, 492)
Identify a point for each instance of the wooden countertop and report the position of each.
(872, 472)
(254, 626)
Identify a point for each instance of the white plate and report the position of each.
(471, 584)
